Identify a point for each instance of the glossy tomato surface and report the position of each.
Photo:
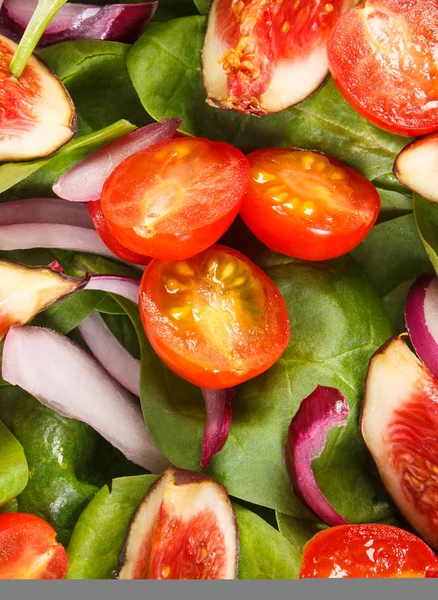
(28, 549)
(176, 198)
(372, 550)
(383, 58)
(215, 319)
(306, 204)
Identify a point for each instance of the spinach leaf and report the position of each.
(13, 466)
(298, 531)
(202, 6)
(393, 204)
(172, 9)
(164, 65)
(95, 74)
(426, 219)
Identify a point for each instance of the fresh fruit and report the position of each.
(184, 528)
(215, 319)
(383, 58)
(416, 166)
(37, 115)
(176, 198)
(307, 204)
(400, 427)
(366, 551)
(261, 56)
(28, 549)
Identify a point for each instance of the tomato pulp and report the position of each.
(306, 204)
(176, 198)
(216, 319)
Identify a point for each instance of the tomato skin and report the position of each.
(338, 222)
(176, 198)
(366, 551)
(191, 351)
(28, 549)
(391, 84)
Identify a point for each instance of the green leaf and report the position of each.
(13, 466)
(44, 13)
(99, 533)
(426, 219)
(202, 6)
(298, 531)
(393, 204)
(164, 65)
(172, 9)
(393, 257)
(95, 74)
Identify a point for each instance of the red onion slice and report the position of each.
(45, 210)
(85, 180)
(218, 404)
(324, 409)
(421, 315)
(64, 377)
(107, 349)
(114, 22)
(115, 284)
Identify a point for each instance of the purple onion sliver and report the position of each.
(218, 404)
(324, 409)
(114, 284)
(84, 182)
(45, 210)
(113, 357)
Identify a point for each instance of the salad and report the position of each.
(219, 306)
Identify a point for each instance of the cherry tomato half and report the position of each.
(383, 58)
(372, 550)
(306, 204)
(175, 198)
(215, 319)
(28, 549)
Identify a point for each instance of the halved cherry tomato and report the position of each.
(96, 215)
(215, 319)
(372, 550)
(383, 58)
(175, 198)
(306, 204)
(28, 549)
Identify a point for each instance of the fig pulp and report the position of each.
(36, 112)
(400, 427)
(262, 56)
(184, 528)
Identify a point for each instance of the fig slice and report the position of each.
(184, 528)
(262, 56)
(37, 115)
(416, 166)
(26, 291)
(399, 424)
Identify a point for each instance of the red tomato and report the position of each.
(28, 549)
(215, 319)
(175, 198)
(372, 550)
(383, 58)
(110, 242)
(306, 204)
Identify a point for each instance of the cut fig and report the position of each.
(262, 56)
(37, 115)
(184, 528)
(26, 291)
(416, 166)
(400, 427)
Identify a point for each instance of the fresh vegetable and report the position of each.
(215, 319)
(123, 286)
(370, 550)
(416, 166)
(324, 409)
(218, 405)
(37, 114)
(176, 198)
(399, 424)
(13, 467)
(184, 528)
(29, 549)
(261, 57)
(382, 56)
(306, 204)
(44, 210)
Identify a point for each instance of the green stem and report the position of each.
(44, 13)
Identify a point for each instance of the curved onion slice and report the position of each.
(107, 349)
(416, 166)
(85, 180)
(45, 210)
(324, 409)
(115, 284)
(218, 404)
(114, 22)
(421, 315)
(64, 377)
